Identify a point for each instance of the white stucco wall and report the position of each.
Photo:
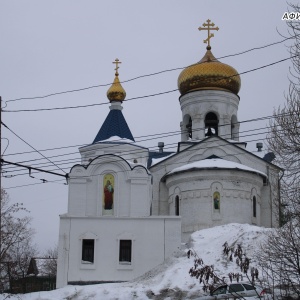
(132, 188)
(129, 151)
(153, 240)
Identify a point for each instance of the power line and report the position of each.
(146, 75)
(32, 168)
(200, 148)
(174, 163)
(31, 146)
(155, 135)
(146, 96)
(68, 161)
(225, 144)
(30, 184)
(88, 105)
(72, 160)
(168, 134)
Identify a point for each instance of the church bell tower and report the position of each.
(209, 97)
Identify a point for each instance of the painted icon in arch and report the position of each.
(108, 192)
(216, 197)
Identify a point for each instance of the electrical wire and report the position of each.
(6, 145)
(227, 155)
(72, 160)
(155, 135)
(168, 134)
(122, 171)
(69, 160)
(30, 146)
(148, 75)
(30, 184)
(145, 96)
(205, 148)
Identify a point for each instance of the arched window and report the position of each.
(254, 206)
(177, 205)
(211, 124)
(216, 199)
(108, 194)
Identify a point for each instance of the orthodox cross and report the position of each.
(208, 26)
(117, 62)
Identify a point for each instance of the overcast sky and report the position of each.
(56, 46)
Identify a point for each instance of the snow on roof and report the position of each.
(215, 163)
(117, 139)
(158, 160)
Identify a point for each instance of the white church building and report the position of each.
(130, 208)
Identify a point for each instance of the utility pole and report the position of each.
(0, 182)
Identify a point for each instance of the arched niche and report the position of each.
(108, 192)
(217, 201)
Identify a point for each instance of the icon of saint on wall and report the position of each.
(216, 197)
(108, 191)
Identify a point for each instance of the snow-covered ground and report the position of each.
(170, 280)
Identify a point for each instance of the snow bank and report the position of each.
(171, 279)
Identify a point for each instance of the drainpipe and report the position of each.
(270, 188)
(279, 199)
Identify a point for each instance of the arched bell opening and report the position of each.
(211, 124)
(188, 126)
(234, 128)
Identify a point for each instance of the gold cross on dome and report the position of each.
(208, 26)
(117, 62)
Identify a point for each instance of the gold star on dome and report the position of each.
(208, 26)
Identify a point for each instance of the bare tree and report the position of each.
(280, 256)
(50, 264)
(279, 259)
(15, 241)
(284, 137)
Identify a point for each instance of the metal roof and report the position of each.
(114, 125)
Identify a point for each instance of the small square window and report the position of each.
(88, 251)
(125, 251)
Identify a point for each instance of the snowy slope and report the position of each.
(170, 280)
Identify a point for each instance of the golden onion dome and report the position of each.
(209, 74)
(116, 91)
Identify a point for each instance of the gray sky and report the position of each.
(55, 46)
